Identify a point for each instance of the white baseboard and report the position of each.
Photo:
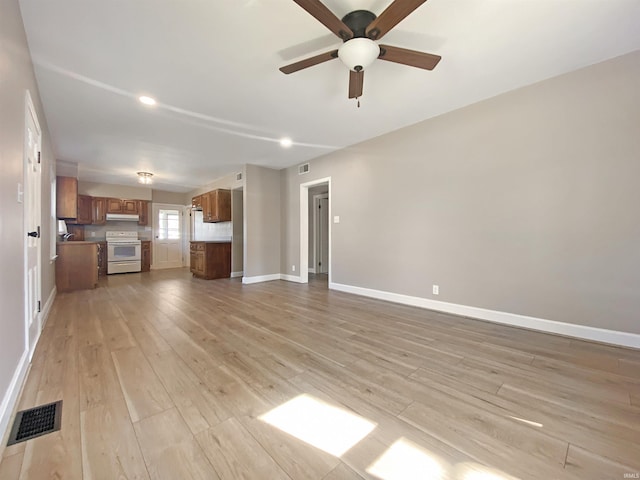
(312, 270)
(550, 326)
(260, 278)
(269, 278)
(11, 397)
(236, 274)
(47, 306)
(290, 278)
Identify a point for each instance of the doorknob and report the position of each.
(33, 234)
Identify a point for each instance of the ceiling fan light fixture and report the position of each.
(358, 53)
(145, 178)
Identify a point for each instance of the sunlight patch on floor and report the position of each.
(327, 427)
(405, 460)
(528, 422)
(475, 471)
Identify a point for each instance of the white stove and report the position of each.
(123, 252)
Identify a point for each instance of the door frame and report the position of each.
(316, 231)
(187, 234)
(154, 228)
(304, 227)
(30, 343)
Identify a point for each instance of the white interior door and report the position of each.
(32, 223)
(167, 243)
(322, 229)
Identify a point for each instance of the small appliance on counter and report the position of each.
(123, 252)
(62, 230)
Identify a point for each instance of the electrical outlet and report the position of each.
(436, 290)
(336, 219)
(93, 234)
(293, 268)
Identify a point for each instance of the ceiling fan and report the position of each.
(359, 30)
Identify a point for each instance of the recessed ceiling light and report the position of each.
(147, 100)
(286, 142)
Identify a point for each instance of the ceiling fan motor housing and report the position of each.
(358, 21)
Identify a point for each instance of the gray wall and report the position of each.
(237, 222)
(114, 191)
(262, 221)
(228, 182)
(16, 77)
(171, 198)
(525, 203)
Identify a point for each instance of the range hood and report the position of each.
(123, 217)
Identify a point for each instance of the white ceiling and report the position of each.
(213, 67)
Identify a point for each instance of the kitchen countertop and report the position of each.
(210, 241)
(80, 242)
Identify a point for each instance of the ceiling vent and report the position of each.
(238, 176)
(302, 169)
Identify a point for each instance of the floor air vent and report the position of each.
(36, 421)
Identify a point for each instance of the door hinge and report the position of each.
(39, 307)
(38, 157)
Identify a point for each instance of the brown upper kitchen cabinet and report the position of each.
(85, 216)
(67, 197)
(216, 206)
(143, 212)
(114, 205)
(98, 211)
(196, 202)
(130, 207)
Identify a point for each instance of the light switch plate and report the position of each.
(336, 219)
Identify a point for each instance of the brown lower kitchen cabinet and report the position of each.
(211, 260)
(102, 258)
(76, 266)
(145, 255)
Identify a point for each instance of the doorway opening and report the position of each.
(315, 230)
(167, 241)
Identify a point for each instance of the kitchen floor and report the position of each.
(167, 376)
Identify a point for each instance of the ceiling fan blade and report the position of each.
(392, 15)
(321, 13)
(412, 58)
(309, 62)
(356, 81)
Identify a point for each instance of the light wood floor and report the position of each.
(164, 376)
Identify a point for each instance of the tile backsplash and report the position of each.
(98, 232)
(210, 231)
